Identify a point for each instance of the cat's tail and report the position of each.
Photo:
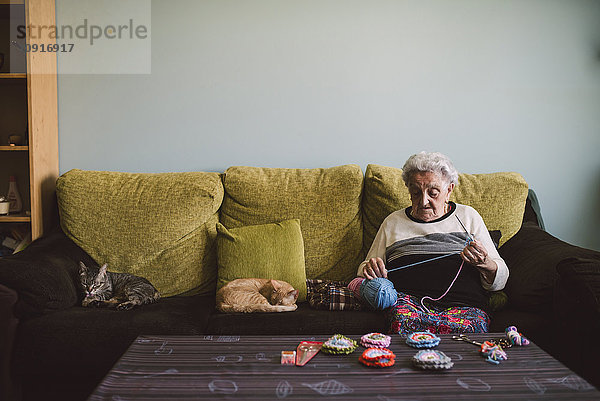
(227, 308)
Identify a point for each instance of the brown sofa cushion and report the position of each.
(532, 256)
(581, 277)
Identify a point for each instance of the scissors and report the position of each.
(502, 342)
(466, 339)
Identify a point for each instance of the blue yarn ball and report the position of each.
(379, 293)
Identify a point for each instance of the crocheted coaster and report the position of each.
(339, 344)
(375, 340)
(432, 359)
(377, 357)
(422, 339)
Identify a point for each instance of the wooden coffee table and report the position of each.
(248, 367)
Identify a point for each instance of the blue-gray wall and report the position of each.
(506, 85)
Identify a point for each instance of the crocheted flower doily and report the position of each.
(377, 357)
(339, 344)
(375, 340)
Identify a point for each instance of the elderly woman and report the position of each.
(437, 253)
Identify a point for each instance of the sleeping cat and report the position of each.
(257, 295)
(122, 291)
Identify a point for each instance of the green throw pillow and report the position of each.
(271, 251)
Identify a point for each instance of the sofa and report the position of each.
(185, 232)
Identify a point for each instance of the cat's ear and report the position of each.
(294, 293)
(103, 269)
(83, 269)
(275, 284)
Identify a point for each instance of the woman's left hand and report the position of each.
(476, 255)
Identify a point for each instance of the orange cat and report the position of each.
(257, 295)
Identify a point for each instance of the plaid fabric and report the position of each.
(331, 295)
(408, 316)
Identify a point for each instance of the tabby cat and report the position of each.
(257, 295)
(122, 291)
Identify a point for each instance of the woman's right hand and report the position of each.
(374, 268)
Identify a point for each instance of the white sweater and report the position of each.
(402, 236)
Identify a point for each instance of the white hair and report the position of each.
(434, 162)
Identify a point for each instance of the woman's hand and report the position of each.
(476, 255)
(374, 268)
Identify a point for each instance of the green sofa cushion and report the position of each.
(326, 201)
(158, 226)
(498, 197)
(271, 251)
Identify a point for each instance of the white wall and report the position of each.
(506, 85)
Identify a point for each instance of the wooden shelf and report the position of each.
(38, 161)
(15, 218)
(13, 75)
(14, 148)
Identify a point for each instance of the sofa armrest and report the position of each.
(44, 275)
(577, 313)
(580, 281)
(8, 328)
(532, 256)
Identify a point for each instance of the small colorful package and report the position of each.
(288, 357)
(306, 350)
(377, 357)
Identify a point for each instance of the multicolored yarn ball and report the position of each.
(515, 337)
(354, 286)
(492, 352)
(375, 340)
(339, 344)
(422, 339)
(379, 293)
(377, 357)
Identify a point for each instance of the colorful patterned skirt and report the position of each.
(408, 316)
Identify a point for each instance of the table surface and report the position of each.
(248, 367)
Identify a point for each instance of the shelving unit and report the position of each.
(28, 107)
(9, 75)
(15, 218)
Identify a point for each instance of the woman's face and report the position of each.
(428, 194)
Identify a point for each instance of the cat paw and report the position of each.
(89, 303)
(125, 305)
